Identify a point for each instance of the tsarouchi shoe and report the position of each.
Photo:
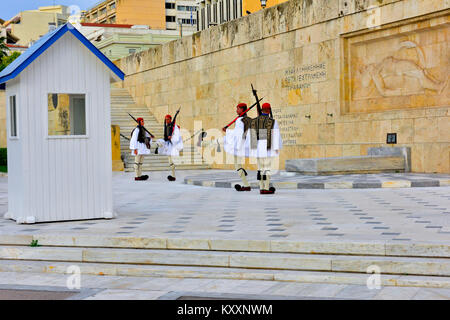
(238, 187)
(271, 191)
(170, 178)
(140, 178)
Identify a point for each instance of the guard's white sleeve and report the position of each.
(133, 140)
(177, 139)
(238, 132)
(277, 142)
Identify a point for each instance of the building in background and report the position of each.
(156, 14)
(251, 6)
(181, 16)
(214, 12)
(28, 26)
(119, 40)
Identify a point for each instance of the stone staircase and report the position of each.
(121, 104)
(420, 265)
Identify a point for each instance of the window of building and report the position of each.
(215, 12)
(203, 19)
(235, 9)
(228, 10)
(131, 50)
(13, 116)
(198, 17)
(103, 11)
(170, 5)
(187, 21)
(112, 6)
(112, 19)
(170, 19)
(221, 11)
(66, 114)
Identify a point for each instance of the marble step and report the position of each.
(132, 270)
(166, 168)
(247, 260)
(373, 248)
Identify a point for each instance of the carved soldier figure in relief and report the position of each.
(265, 144)
(236, 143)
(140, 146)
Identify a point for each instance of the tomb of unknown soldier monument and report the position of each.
(340, 75)
(311, 142)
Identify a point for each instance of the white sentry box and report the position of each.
(58, 130)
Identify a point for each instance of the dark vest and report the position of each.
(261, 129)
(246, 121)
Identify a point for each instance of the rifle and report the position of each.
(171, 126)
(203, 135)
(256, 103)
(125, 137)
(151, 135)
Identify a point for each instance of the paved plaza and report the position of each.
(159, 209)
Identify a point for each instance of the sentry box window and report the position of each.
(66, 114)
(13, 115)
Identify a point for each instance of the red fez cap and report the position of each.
(168, 116)
(242, 105)
(140, 119)
(265, 106)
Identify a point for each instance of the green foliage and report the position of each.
(6, 60)
(3, 169)
(34, 243)
(3, 157)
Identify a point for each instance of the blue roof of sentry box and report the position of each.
(26, 58)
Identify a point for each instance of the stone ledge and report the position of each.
(380, 248)
(246, 260)
(347, 165)
(45, 267)
(329, 185)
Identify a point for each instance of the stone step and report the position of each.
(121, 104)
(373, 248)
(131, 270)
(166, 168)
(247, 260)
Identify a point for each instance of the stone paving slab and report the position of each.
(289, 180)
(94, 287)
(158, 209)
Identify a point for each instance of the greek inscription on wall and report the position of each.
(301, 77)
(288, 122)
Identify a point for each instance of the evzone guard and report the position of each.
(265, 144)
(236, 143)
(140, 146)
(172, 143)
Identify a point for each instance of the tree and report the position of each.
(6, 60)
(3, 47)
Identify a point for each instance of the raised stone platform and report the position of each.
(377, 160)
(292, 180)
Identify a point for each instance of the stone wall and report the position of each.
(339, 75)
(2, 119)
